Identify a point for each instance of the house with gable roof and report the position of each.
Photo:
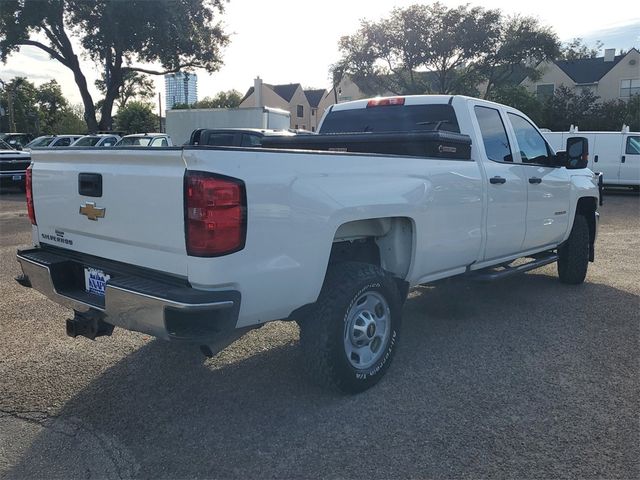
(305, 106)
(611, 77)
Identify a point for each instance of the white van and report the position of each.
(615, 154)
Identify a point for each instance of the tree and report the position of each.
(229, 99)
(118, 37)
(577, 49)
(135, 86)
(137, 117)
(567, 107)
(459, 47)
(52, 107)
(520, 45)
(22, 94)
(519, 97)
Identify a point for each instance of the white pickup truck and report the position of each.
(201, 244)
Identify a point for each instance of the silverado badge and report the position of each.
(91, 211)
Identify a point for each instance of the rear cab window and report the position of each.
(392, 118)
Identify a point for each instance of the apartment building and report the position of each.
(610, 77)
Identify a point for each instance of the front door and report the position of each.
(506, 189)
(548, 188)
(630, 161)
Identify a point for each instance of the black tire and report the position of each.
(573, 255)
(324, 330)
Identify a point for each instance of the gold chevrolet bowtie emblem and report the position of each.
(91, 211)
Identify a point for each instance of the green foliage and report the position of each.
(39, 110)
(118, 37)
(567, 107)
(137, 117)
(458, 48)
(229, 99)
(520, 98)
(577, 49)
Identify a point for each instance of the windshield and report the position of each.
(40, 142)
(135, 141)
(392, 118)
(87, 142)
(4, 145)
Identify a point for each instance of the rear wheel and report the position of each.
(573, 256)
(349, 337)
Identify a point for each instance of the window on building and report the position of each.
(629, 87)
(313, 112)
(300, 111)
(545, 90)
(313, 129)
(494, 135)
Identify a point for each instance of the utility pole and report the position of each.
(160, 111)
(186, 89)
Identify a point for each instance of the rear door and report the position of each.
(630, 163)
(548, 188)
(124, 205)
(506, 189)
(608, 149)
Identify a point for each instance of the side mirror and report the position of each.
(577, 152)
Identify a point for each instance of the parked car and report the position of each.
(202, 244)
(16, 141)
(98, 140)
(233, 137)
(615, 154)
(13, 165)
(50, 141)
(145, 140)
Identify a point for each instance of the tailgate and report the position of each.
(138, 216)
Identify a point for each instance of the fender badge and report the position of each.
(91, 211)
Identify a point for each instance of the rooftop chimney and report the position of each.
(609, 54)
(257, 88)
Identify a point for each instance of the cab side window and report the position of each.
(532, 146)
(494, 135)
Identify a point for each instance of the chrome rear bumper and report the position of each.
(161, 306)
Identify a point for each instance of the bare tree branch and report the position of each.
(49, 50)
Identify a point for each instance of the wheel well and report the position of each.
(386, 242)
(587, 207)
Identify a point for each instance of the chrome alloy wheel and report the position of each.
(367, 330)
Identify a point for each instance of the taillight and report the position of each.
(29, 189)
(215, 214)
(382, 102)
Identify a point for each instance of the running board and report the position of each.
(498, 273)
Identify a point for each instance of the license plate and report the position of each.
(16, 177)
(95, 281)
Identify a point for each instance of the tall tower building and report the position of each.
(181, 87)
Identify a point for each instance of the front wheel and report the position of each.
(573, 255)
(350, 335)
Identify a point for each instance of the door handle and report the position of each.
(595, 159)
(623, 158)
(499, 180)
(535, 180)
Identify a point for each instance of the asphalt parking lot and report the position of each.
(526, 378)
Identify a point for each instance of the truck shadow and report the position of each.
(484, 371)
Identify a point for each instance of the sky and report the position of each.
(295, 41)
